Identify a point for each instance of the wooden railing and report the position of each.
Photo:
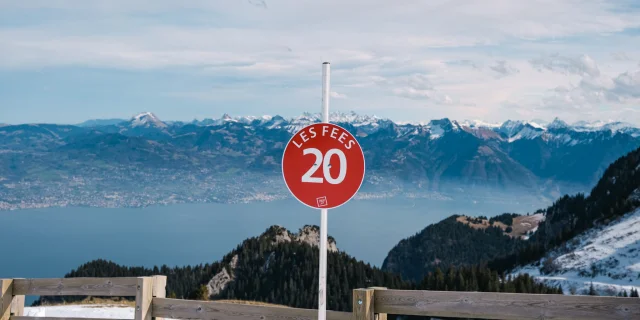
(368, 304)
(492, 305)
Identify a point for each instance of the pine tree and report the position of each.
(202, 293)
(592, 290)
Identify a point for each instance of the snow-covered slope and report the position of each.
(608, 257)
(82, 311)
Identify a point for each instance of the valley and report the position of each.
(212, 229)
(484, 222)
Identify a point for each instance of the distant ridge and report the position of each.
(511, 128)
(100, 122)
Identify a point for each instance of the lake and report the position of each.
(50, 242)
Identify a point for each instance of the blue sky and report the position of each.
(69, 61)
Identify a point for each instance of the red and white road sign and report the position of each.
(323, 166)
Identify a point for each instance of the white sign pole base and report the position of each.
(322, 292)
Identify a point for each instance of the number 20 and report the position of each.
(307, 177)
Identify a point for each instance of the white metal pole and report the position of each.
(322, 280)
(326, 70)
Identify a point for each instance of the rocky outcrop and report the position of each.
(276, 234)
(311, 236)
(219, 282)
(307, 234)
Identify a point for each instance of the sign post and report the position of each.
(323, 167)
(322, 280)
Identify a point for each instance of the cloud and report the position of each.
(621, 56)
(117, 32)
(458, 53)
(336, 95)
(417, 87)
(591, 93)
(627, 85)
(503, 68)
(583, 65)
(258, 3)
(465, 62)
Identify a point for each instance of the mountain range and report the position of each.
(237, 159)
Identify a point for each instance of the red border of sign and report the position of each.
(364, 167)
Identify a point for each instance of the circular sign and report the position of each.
(323, 166)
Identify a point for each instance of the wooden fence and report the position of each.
(368, 304)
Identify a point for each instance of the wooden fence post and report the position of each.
(6, 296)
(378, 316)
(10, 304)
(159, 290)
(363, 304)
(17, 304)
(144, 297)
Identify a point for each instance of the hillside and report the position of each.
(606, 257)
(276, 267)
(613, 197)
(115, 163)
(576, 240)
(513, 225)
(458, 241)
(281, 267)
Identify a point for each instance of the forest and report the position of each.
(448, 243)
(286, 273)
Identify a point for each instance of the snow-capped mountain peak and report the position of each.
(475, 124)
(515, 130)
(226, 117)
(439, 127)
(510, 131)
(557, 124)
(147, 119)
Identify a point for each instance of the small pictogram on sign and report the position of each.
(322, 201)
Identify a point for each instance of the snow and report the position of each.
(527, 132)
(557, 124)
(516, 130)
(613, 126)
(367, 124)
(613, 251)
(479, 124)
(82, 311)
(147, 119)
(436, 132)
(536, 125)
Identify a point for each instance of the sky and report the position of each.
(66, 61)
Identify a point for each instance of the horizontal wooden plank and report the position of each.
(190, 309)
(76, 287)
(59, 318)
(505, 306)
